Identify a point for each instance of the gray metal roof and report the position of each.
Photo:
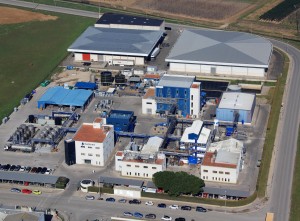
(176, 81)
(221, 47)
(116, 41)
(121, 181)
(237, 101)
(229, 192)
(28, 177)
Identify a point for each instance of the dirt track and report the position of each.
(13, 16)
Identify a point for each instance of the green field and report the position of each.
(31, 51)
(295, 212)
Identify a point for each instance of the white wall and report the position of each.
(78, 56)
(149, 104)
(220, 70)
(137, 27)
(127, 192)
(138, 169)
(136, 60)
(94, 57)
(195, 108)
(219, 174)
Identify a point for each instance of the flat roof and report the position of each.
(88, 133)
(230, 145)
(120, 114)
(197, 129)
(28, 177)
(227, 192)
(222, 48)
(224, 156)
(85, 85)
(210, 160)
(236, 101)
(150, 93)
(121, 181)
(124, 19)
(116, 41)
(64, 97)
(152, 146)
(181, 81)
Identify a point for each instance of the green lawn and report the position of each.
(295, 212)
(31, 51)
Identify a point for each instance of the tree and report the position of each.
(176, 183)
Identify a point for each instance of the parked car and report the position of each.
(38, 170)
(167, 218)
(37, 192)
(12, 168)
(134, 201)
(28, 169)
(180, 219)
(17, 168)
(26, 191)
(201, 209)
(150, 216)
(88, 197)
(138, 215)
(22, 169)
(122, 200)
(44, 169)
(149, 203)
(186, 208)
(33, 170)
(15, 190)
(48, 171)
(127, 214)
(162, 205)
(174, 207)
(110, 199)
(6, 167)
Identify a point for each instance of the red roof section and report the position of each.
(88, 133)
(119, 153)
(150, 93)
(195, 86)
(152, 76)
(209, 161)
(98, 120)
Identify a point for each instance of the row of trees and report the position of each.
(177, 183)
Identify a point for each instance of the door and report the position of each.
(87, 161)
(86, 57)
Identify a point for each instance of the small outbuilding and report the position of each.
(236, 107)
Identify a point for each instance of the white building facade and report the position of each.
(149, 104)
(223, 162)
(94, 143)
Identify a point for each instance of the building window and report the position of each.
(97, 147)
(82, 146)
(145, 166)
(135, 174)
(213, 178)
(192, 97)
(128, 165)
(215, 171)
(90, 154)
(90, 147)
(192, 104)
(82, 154)
(221, 172)
(148, 103)
(228, 180)
(205, 171)
(225, 179)
(222, 179)
(184, 92)
(227, 173)
(137, 166)
(154, 168)
(97, 155)
(177, 92)
(138, 174)
(203, 177)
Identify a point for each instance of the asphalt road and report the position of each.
(282, 176)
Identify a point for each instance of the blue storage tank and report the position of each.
(192, 160)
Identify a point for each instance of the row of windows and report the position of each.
(138, 166)
(89, 147)
(220, 172)
(217, 179)
(138, 174)
(90, 154)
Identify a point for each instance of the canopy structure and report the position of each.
(85, 85)
(65, 97)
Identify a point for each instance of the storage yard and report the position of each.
(113, 111)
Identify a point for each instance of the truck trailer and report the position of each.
(14, 147)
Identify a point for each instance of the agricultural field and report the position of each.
(32, 45)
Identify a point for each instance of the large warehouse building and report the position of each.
(236, 107)
(220, 53)
(114, 20)
(115, 46)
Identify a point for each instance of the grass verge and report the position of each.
(295, 212)
(30, 52)
(275, 101)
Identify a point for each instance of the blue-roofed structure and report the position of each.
(122, 120)
(65, 97)
(85, 85)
